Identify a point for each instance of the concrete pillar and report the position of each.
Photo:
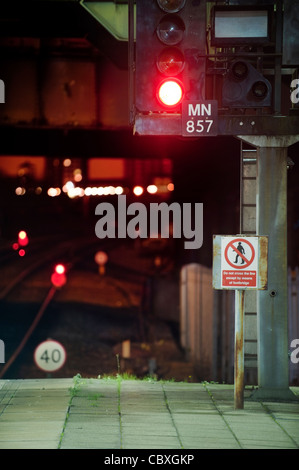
(272, 304)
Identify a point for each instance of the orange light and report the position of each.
(170, 92)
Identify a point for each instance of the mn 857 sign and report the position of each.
(199, 118)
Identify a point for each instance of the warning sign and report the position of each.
(239, 262)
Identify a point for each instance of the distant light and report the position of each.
(67, 162)
(22, 238)
(137, 190)
(170, 187)
(20, 191)
(119, 190)
(15, 246)
(67, 186)
(77, 175)
(22, 234)
(38, 190)
(22, 252)
(75, 192)
(52, 192)
(59, 269)
(101, 258)
(152, 189)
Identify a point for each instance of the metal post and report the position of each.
(272, 304)
(239, 349)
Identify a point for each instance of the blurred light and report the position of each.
(67, 186)
(38, 190)
(170, 187)
(59, 269)
(67, 162)
(77, 175)
(101, 257)
(22, 252)
(15, 246)
(52, 192)
(58, 277)
(20, 191)
(75, 192)
(137, 190)
(119, 190)
(152, 189)
(23, 238)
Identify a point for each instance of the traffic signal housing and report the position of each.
(245, 87)
(170, 54)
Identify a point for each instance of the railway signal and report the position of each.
(22, 242)
(245, 87)
(58, 277)
(170, 49)
(23, 239)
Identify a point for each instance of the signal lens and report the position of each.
(171, 61)
(170, 92)
(259, 89)
(240, 70)
(171, 6)
(171, 30)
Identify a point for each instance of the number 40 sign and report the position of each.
(50, 356)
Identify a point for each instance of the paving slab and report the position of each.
(118, 414)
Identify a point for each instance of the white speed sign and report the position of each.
(49, 356)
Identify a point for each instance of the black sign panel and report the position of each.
(199, 118)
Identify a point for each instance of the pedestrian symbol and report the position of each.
(240, 250)
(239, 253)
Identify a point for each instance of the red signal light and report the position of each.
(170, 92)
(23, 238)
(58, 277)
(59, 269)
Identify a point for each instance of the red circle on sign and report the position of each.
(247, 262)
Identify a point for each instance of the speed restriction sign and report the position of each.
(50, 356)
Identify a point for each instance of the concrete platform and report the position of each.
(80, 413)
